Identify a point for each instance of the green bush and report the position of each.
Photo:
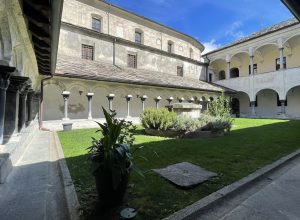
(158, 119)
(218, 115)
(188, 124)
(216, 123)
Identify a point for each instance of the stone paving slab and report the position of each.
(185, 175)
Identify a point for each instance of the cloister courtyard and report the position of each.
(251, 145)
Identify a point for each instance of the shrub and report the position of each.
(188, 124)
(218, 117)
(158, 119)
(216, 123)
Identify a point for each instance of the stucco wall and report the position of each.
(123, 24)
(78, 104)
(70, 43)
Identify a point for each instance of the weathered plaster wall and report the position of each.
(70, 44)
(78, 105)
(122, 24)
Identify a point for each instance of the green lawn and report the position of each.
(252, 144)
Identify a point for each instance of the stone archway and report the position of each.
(293, 102)
(267, 103)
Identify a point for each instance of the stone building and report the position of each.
(263, 69)
(28, 47)
(110, 56)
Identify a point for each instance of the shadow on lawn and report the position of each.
(233, 156)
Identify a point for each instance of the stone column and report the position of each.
(281, 58)
(228, 70)
(170, 99)
(29, 107)
(282, 102)
(12, 104)
(90, 96)
(128, 98)
(66, 95)
(5, 72)
(157, 99)
(251, 65)
(22, 108)
(143, 99)
(252, 104)
(110, 99)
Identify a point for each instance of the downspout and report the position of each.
(206, 70)
(42, 104)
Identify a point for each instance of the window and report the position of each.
(138, 37)
(87, 52)
(131, 60)
(254, 68)
(179, 71)
(277, 62)
(191, 53)
(222, 75)
(234, 73)
(170, 47)
(210, 77)
(96, 24)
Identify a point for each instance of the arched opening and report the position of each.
(267, 103)
(292, 51)
(235, 107)
(241, 104)
(293, 104)
(241, 60)
(222, 75)
(234, 72)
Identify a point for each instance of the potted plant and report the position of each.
(111, 160)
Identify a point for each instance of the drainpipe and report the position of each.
(114, 51)
(42, 104)
(206, 70)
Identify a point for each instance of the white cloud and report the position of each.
(234, 32)
(210, 46)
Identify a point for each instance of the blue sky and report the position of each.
(213, 22)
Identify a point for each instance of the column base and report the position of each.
(66, 119)
(90, 118)
(128, 116)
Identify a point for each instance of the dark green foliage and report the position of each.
(158, 119)
(111, 152)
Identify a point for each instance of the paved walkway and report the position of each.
(56, 125)
(276, 197)
(33, 190)
(279, 200)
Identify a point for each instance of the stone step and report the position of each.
(12, 151)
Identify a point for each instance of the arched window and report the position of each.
(234, 73)
(222, 75)
(170, 46)
(139, 36)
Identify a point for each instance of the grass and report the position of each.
(252, 144)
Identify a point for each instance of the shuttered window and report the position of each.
(87, 52)
(179, 71)
(138, 37)
(131, 60)
(96, 24)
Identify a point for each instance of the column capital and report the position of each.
(17, 83)
(128, 97)
(110, 96)
(158, 98)
(5, 73)
(65, 94)
(90, 94)
(144, 97)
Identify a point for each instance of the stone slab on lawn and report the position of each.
(185, 174)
